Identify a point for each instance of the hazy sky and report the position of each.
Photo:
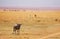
(30, 3)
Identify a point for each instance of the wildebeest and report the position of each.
(16, 28)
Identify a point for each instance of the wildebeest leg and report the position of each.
(14, 31)
(18, 32)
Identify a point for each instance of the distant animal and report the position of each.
(35, 15)
(16, 28)
(56, 19)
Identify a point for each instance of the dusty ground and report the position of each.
(46, 28)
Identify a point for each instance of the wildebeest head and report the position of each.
(19, 25)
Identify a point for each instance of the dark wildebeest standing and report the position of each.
(16, 29)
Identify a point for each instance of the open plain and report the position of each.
(45, 25)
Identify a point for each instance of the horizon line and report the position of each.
(32, 8)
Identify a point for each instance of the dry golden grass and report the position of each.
(43, 26)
